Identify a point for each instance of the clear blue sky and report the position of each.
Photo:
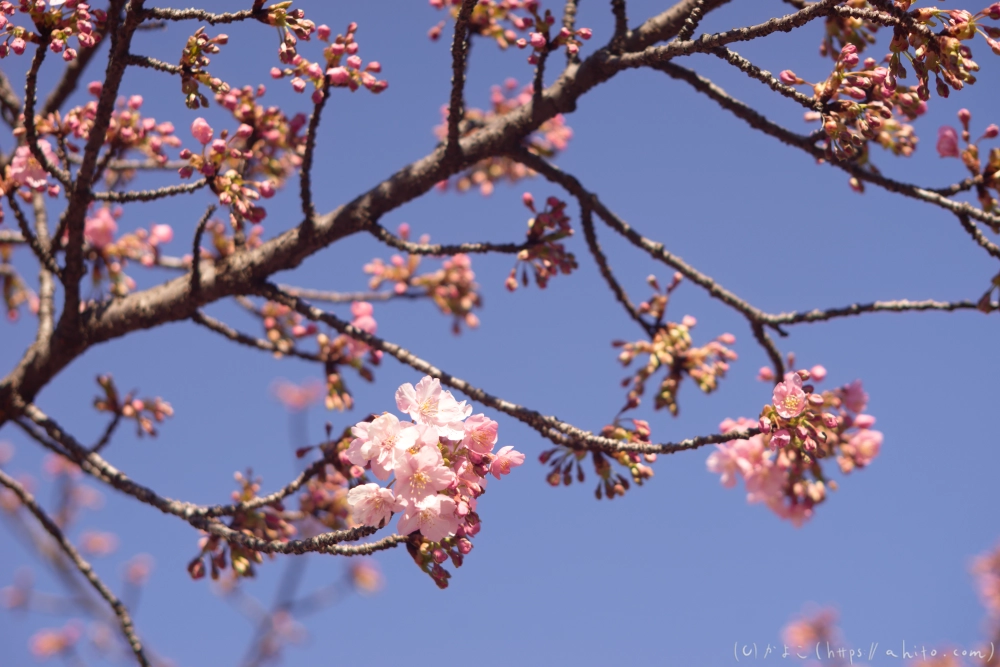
(676, 572)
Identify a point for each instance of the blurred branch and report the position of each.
(83, 566)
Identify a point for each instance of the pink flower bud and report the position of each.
(689, 321)
(339, 76)
(528, 200)
(537, 40)
(374, 66)
(817, 373)
(219, 146)
(947, 144)
(266, 189)
(765, 374)
(829, 420)
(964, 116)
(201, 130)
(991, 131)
(354, 62)
(94, 88)
(765, 425)
(788, 77)
(781, 439)
(864, 421)
(323, 31)
(298, 84)
(585, 33)
(244, 131)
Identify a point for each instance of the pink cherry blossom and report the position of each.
(428, 404)
(947, 143)
(363, 320)
(789, 397)
(372, 504)
(865, 445)
(817, 373)
(160, 234)
(854, 397)
(434, 516)
(26, 170)
(201, 130)
(99, 230)
(506, 459)
(421, 474)
(382, 446)
(480, 434)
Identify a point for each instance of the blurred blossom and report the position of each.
(297, 397)
(98, 544)
(366, 576)
(986, 569)
(49, 642)
(6, 452)
(56, 465)
(138, 568)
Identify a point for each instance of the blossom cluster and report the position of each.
(989, 171)
(343, 350)
(498, 20)
(546, 256)
(864, 105)
(112, 254)
(26, 171)
(266, 523)
(551, 138)
(986, 569)
(342, 68)
(194, 60)
(62, 19)
(145, 412)
(566, 463)
(452, 288)
(438, 462)
(672, 349)
(782, 465)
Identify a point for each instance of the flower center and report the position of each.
(419, 481)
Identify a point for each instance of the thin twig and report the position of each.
(250, 341)
(83, 566)
(565, 433)
(692, 21)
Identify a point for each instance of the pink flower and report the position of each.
(422, 474)
(428, 404)
(99, 230)
(363, 320)
(724, 462)
(854, 397)
(434, 516)
(789, 397)
(339, 76)
(26, 170)
(382, 446)
(372, 504)
(865, 445)
(537, 40)
(781, 439)
(480, 434)
(766, 484)
(201, 130)
(947, 144)
(160, 234)
(506, 459)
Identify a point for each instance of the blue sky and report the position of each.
(676, 572)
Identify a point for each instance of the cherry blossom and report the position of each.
(506, 459)
(428, 403)
(789, 398)
(25, 169)
(421, 474)
(434, 516)
(372, 505)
